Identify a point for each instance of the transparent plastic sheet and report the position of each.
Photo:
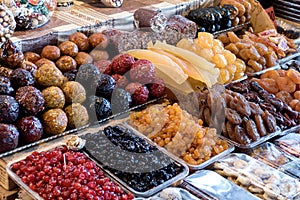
(257, 177)
(211, 183)
(171, 193)
(290, 144)
(271, 155)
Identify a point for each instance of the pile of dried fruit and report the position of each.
(65, 174)
(179, 132)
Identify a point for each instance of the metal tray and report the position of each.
(202, 165)
(265, 70)
(235, 28)
(180, 191)
(34, 194)
(291, 62)
(152, 191)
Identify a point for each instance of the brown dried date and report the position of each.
(252, 130)
(255, 109)
(269, 121)
(260, 125)
(232, 116)
(241, 136)
(230, 130)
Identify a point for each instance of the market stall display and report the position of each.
(86, 75)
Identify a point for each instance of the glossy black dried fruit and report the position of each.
(71, 75)
(104, 85)
(21, 77)
(9, 137)
(86, 74)
(30, 99)
(9, 109)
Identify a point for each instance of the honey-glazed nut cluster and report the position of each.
(179, 132)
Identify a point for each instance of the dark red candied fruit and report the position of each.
(139, 93)
(121, 81)
(9, 109)
(104, 66)
(54, 182)
(21, 77)
(30, 129)
(157, 88)
(142, 71)
(30, 99)
(122, 63)
(9, 137)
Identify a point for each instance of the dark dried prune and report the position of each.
(157, 88)
(30, 128)
(104, 85)
(121, 81)
(30, 99)
(9, 137)
(100, 106)
(120, 101)
(71, 75)
(122, 63)
(21, 77)
(9, 109)
(131, 158)
(86, 73)
(142, 71)
(5, 87)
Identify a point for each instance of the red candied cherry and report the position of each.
(76, 172)
(56, 191)
(66, 183)
(92, 192)
(15, 166)
(46, 178)
(91, 184)
(31, 177)
(77, 186)
(40, 184)
(89, 196)
(74, 196)
(25, 179)
(89, 165)
(66, 194)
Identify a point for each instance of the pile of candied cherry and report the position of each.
(65, 174)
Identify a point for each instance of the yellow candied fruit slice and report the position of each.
(230, 57)
(205, 40)
(240, 65)
(219, 60)
(231, 68)
(224, 76)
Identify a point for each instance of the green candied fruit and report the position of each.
(23, 1)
